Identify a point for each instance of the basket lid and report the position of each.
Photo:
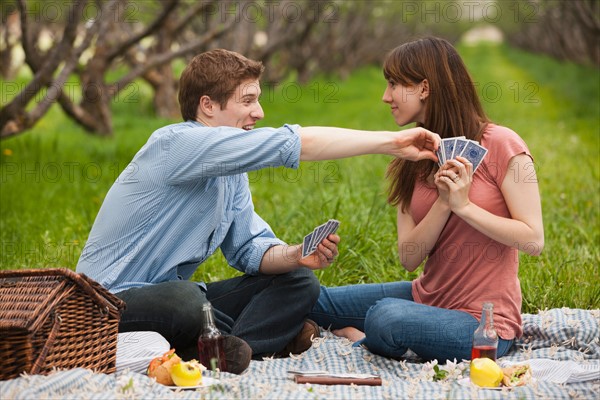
(28, 296)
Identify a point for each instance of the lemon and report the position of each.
(486, 373)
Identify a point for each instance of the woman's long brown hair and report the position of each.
(452, 108)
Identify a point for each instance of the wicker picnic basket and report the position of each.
(56, 318)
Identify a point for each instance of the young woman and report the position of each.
(468, 227)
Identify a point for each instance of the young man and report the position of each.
(185, 194)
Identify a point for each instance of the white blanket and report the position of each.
(558, 335)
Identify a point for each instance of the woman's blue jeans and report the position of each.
(393, 322)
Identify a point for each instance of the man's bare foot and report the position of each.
(349, 333)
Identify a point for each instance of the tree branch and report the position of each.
(74, 111)
(164, 58)
(199, 8)
(15, 110)
(156, 24)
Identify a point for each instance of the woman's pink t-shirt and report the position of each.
(466, 268)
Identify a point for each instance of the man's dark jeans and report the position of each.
(267, 311)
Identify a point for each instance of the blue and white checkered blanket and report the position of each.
(566, 336)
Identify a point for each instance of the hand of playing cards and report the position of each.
(459, 146)
(312, 240)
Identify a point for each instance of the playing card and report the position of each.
(330, 227)
(312, 240)
(475, 153)
(335, 224)
(439, 153)
(448, 144)
(306, 244)
(317, 237)
(459, 146)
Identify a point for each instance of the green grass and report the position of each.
(53, 178)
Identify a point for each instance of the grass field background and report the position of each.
(54, 178)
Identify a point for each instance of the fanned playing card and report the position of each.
(451, 148)
(448, 144)
(459, 146)
(440, 155)
(312, 240)
(306, 244)
(475, 153)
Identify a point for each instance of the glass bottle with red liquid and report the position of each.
(485, 338)
(210, 342)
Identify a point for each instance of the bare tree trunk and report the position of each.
(94, 112)
(161, 78)
(165, 91)
(96, 97)
(11, 35)
(15, 118)
(566, 30)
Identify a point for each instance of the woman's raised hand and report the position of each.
(453, 181)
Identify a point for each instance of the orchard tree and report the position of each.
(109, 46)
(566, 30)
(97, 39)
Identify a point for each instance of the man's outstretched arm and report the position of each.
(327, 143)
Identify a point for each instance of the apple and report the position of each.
(187, 373)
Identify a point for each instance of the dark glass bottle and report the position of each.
(210, 342)
(485, 338)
